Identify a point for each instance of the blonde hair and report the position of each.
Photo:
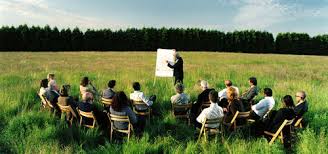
(231, 94)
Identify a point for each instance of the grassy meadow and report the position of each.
(24, 128)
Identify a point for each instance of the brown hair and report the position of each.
(119, 101)
(231, 94)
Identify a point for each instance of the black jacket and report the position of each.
(281, 115)
(301, 109)
(178, 68)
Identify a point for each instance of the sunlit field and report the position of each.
(25, 128)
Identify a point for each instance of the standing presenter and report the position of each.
(177, 67)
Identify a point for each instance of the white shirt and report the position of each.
(180, 99)
(264, 106)
(223, 93)
(212, 112)
(138, 95)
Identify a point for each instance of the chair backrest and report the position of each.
(284, 124)
(298, 123)
(182, 106)
(45, 100)
(212, 121)
(106, 101)
(87, 115)
(119, 118)
(64, 108)
(243, 115)
(138, 102)
(234, 118)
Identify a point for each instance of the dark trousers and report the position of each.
(178, 80)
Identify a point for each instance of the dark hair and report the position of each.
(111, 83)
(268, 91)
(44, 83)
(84, 81)
(253, 80)
(288, 100)
(136, 86)
(213, 96)
(64, 90)
(119, 101)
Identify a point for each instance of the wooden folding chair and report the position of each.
(183, 108)
(142, 113)
(87, 115)
(208, 130)
(106, 102)
(46, 103)
(231, 124)
(279, 133)
(298, 123)
(67, 110)
(117, 118)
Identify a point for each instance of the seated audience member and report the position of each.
(50, 95)
(87, 105)
(180, 98)
(248, 96)
(223, 93)
(276, 118)
(138, 95)
(212, 112)
(202, 97)
(234, 105)
(52, 82)
(120, 106)
(86, 86)
(109, 92)
(302, 105)
(66, 100)
(265, 105)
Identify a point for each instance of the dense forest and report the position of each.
(35, 38)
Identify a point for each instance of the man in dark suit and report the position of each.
(202, 97)
(247, 97)
(177, 68)
(302, 105)
(109, 92)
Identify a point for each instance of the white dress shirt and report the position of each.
(264, 106)
(223, 93)
(212, 112)
(138, 96)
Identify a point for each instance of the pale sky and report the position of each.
(309, 16)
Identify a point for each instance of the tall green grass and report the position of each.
(24, 128)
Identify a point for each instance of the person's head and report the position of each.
(300, 96)
(111, 83)
(252, 81)
(231, 94)
(44, 83)
(119, 100)
(203, 84)
(64, 91)
(288, 101)
(85, 81)
(213, 96)
(228, 83)
(87, 97)
(51, 76)
(177, 55)
(179, 88)
(267, 92)
(136, 86)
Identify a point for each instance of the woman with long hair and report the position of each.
(120, 107)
